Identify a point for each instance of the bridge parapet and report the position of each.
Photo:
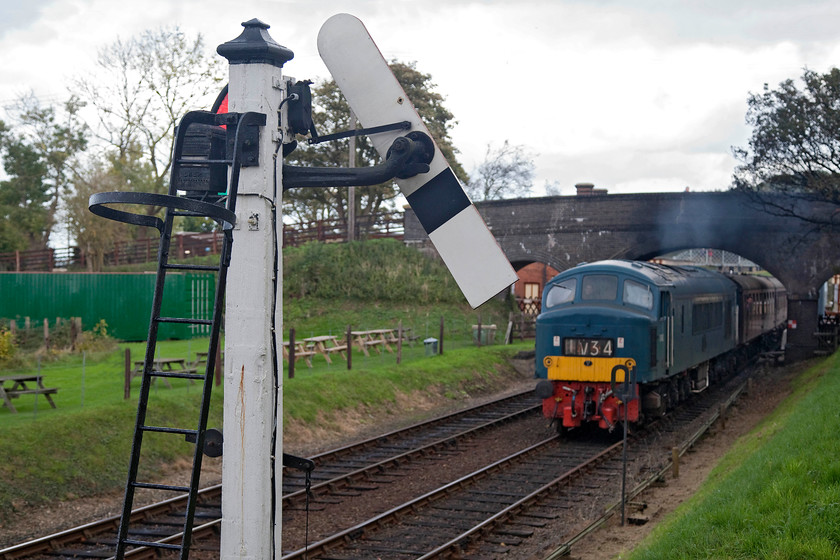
(563, 231)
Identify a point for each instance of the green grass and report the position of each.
(82, 447)
(376, 382)
(776, 495)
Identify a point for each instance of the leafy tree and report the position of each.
(794, 149)
(506, 172)
(23, 196)
(331, 113)
(41, 153)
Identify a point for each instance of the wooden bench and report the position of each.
(300, 352)
(18, 385)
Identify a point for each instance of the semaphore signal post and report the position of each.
(251, 468)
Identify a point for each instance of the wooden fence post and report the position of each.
(127, 387)
(46, 333)
(349, 338)
(478, 338)
(440, 337)
(399, 342)
(73, 333)
(291, 352)
(675, 461)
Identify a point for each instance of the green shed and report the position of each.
(123, 300)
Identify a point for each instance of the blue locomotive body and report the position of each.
(672, 327)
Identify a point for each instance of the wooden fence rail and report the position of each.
(192, 244)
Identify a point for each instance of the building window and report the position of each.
(532, 290)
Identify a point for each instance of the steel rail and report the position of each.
(68, 536)
(565, 549)
(103, 526)
(343, 481)
(404, 432)
(499, 518)
(455, 486)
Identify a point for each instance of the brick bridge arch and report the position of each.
(563, 231)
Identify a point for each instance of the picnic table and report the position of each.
(201, 360)
(325, 345)
(13, 386)
(375, 338)
(301, 351)
(174, 365)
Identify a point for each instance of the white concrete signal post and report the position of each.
(252, 463)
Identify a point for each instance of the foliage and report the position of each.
(96, 340)
(23, 197)
(506, 172)
(59, 137)
(40, 153)
(794, 149)
(381, 270)
(776, 494)
(7, 345)
(331, 113)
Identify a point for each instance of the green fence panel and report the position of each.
(123, 300)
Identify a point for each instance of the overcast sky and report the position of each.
(634, 96)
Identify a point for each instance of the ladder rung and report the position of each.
(153, 544)
(176, 375)
(191, 267)
(186, 321)
(151, 486)
(162, 430)
(202, 162)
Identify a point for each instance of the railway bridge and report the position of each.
(563, 231)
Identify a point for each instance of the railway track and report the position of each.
(492, 509)
(339, 474)
(556, 482)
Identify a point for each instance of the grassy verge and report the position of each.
(82, 447)
(776, 494)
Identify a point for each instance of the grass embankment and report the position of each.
(82, 447)
(776, 494)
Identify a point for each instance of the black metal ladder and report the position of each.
(201, 170)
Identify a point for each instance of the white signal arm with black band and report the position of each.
(444, 210)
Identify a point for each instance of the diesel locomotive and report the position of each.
(632, 339)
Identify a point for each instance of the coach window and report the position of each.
(599, 287)
(562, 292)
(638, 294)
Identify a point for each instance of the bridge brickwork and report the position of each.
(563, 231)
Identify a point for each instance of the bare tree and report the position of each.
(94, 236)
(142, 88)
(506, 172)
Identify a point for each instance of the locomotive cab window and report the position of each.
(599, 287)
(638, 294)
(562, 292)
